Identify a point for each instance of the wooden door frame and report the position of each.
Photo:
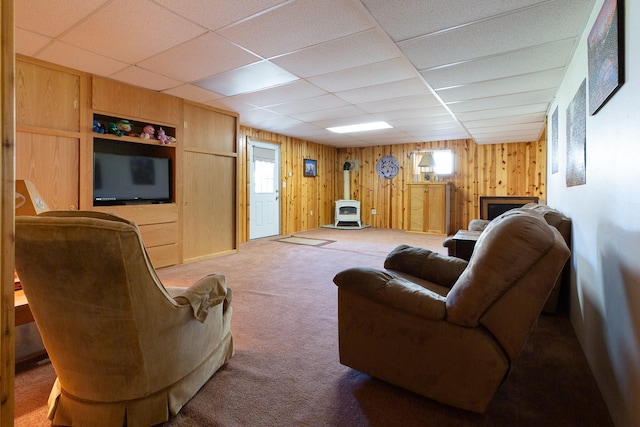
(7, 185)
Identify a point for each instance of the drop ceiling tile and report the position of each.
(513, 100)
(481, 39)
(193, 93)
(250, 78)
(313, 22)
(524, 83)
(505, 129)
(29, 43)
(131, 30)
(351, 51)
(146, 79)
(509, 120)
(200, 57)
(306, 105)
(346, 112)
(429, 114)
(230, 104)
(345, 121)
(400, 103)
(53, 17)
(417, 17)
(214, 14)
(298, 89)
(539, 58)
(379, 92)
(365, 75)
(502, 112)
(80, 59)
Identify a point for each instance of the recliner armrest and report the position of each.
(207, 292)
(391, 291)
(425, 264)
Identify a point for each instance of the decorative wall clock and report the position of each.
(387, 167)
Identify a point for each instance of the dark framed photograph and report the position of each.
(310, 167)
(605, 48)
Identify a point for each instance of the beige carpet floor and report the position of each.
(286, 370)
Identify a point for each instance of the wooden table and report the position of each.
(23, 313)
(463, 243)
(24, 316)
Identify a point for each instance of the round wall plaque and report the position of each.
(387, 167)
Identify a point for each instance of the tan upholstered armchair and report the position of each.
(126, 350)
(445, 329)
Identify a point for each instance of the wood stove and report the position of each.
(348, 213)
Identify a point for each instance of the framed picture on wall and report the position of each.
(605, 48)
(310, 167)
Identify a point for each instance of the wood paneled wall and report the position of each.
(306, 202)
(517, 169)
(480, 170)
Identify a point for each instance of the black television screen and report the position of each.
(130, 178)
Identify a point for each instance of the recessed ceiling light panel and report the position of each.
(360, 127)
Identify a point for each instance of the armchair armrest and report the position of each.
(425, 264)
(207, 292)
(391, 291)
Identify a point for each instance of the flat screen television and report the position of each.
(121, 178)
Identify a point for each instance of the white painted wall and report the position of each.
(605, 301)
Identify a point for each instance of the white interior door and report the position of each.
(264, 198)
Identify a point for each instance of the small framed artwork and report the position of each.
(310, 167)
(605, 47)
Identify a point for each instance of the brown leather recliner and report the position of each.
(126, 350)
(445, 329)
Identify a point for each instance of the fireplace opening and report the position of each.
(494, 206)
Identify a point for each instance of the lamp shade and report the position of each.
(28, 200)
(427, 161)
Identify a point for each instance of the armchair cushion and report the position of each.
(392, 291)
(425, 264)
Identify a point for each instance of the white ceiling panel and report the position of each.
(53, 17)
(193, 93)
(131, 30)
(140, 77)
(200, 57)
(250, 78)
(481, 39)
(379, 92)
(306, 105)
(437, 69)
(348, 113)
(296, 90)
(347, 52)
(512, 100)
(366, 75)
(524, 83)
(312, 22)
(215, 14)
(530, 60)
(417, 17)
(80, 59)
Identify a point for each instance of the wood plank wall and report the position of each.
(307, 203)
(480, 170)
(517, 169)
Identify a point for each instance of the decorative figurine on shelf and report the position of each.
(148, 132)
(98, 127)
(124, 126)
(113, 128)
(162, 136)
(171, 139)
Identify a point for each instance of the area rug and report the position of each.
(305, 241)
